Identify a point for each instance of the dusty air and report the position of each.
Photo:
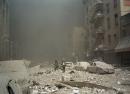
(64, 46)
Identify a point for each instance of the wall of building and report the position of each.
(4, 30)
(125, 23)
(112, 23)
(109, 10)
(125, 7)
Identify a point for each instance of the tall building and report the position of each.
(4, 30)
(102, 21)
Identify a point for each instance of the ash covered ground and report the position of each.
(114, 83)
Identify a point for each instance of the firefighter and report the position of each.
(63, 66)
(56, 65)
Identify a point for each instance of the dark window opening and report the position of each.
(108, 23)
(108, 8)
(109, 39)
(115, 3)
(116, 19)
(115, 37)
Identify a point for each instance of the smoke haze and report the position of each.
(43, 28)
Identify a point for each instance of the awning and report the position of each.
(124, 45)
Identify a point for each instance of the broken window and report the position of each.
(108, 8)
(115, 37)
(109, 39)
(116, 19)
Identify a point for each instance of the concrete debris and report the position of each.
(40, 73)
(34, 83)
(124, 82)
(48, 71)
(87, 88)
(103, 65)
(83, 65)
(86, 82)
(101, 68)
(76, 90)
(79, 68)
(71, 72)
(47, 89)
(66, 77)
(69, 64)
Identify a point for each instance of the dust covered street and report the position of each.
(112, 83)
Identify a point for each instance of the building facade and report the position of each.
(4, 30)
(123, 47)
(102, 21)
(125, 25)
(125, 7)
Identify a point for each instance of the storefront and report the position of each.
(123, 51)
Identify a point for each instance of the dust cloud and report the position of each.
(43, 28)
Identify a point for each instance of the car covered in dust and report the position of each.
(9, 86)
(12, 71)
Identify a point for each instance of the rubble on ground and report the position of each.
(81, 66)
(47, 89)
(44, 80)
(34, 69)
(101, 68)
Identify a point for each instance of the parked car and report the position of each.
(9, 86)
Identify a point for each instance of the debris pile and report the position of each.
(73, 81)
(47, 89)
(101, 68)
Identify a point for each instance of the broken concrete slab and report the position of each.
(84, 65)
(81, 66)
(101, 68)
(71, 84)
(103, 65)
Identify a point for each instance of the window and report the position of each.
(109, 39)
(116, 19)
(108, 8)
(108, 23)
(115, 3)
(115, 37)
(87, 9)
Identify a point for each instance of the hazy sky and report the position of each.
(43, 27)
